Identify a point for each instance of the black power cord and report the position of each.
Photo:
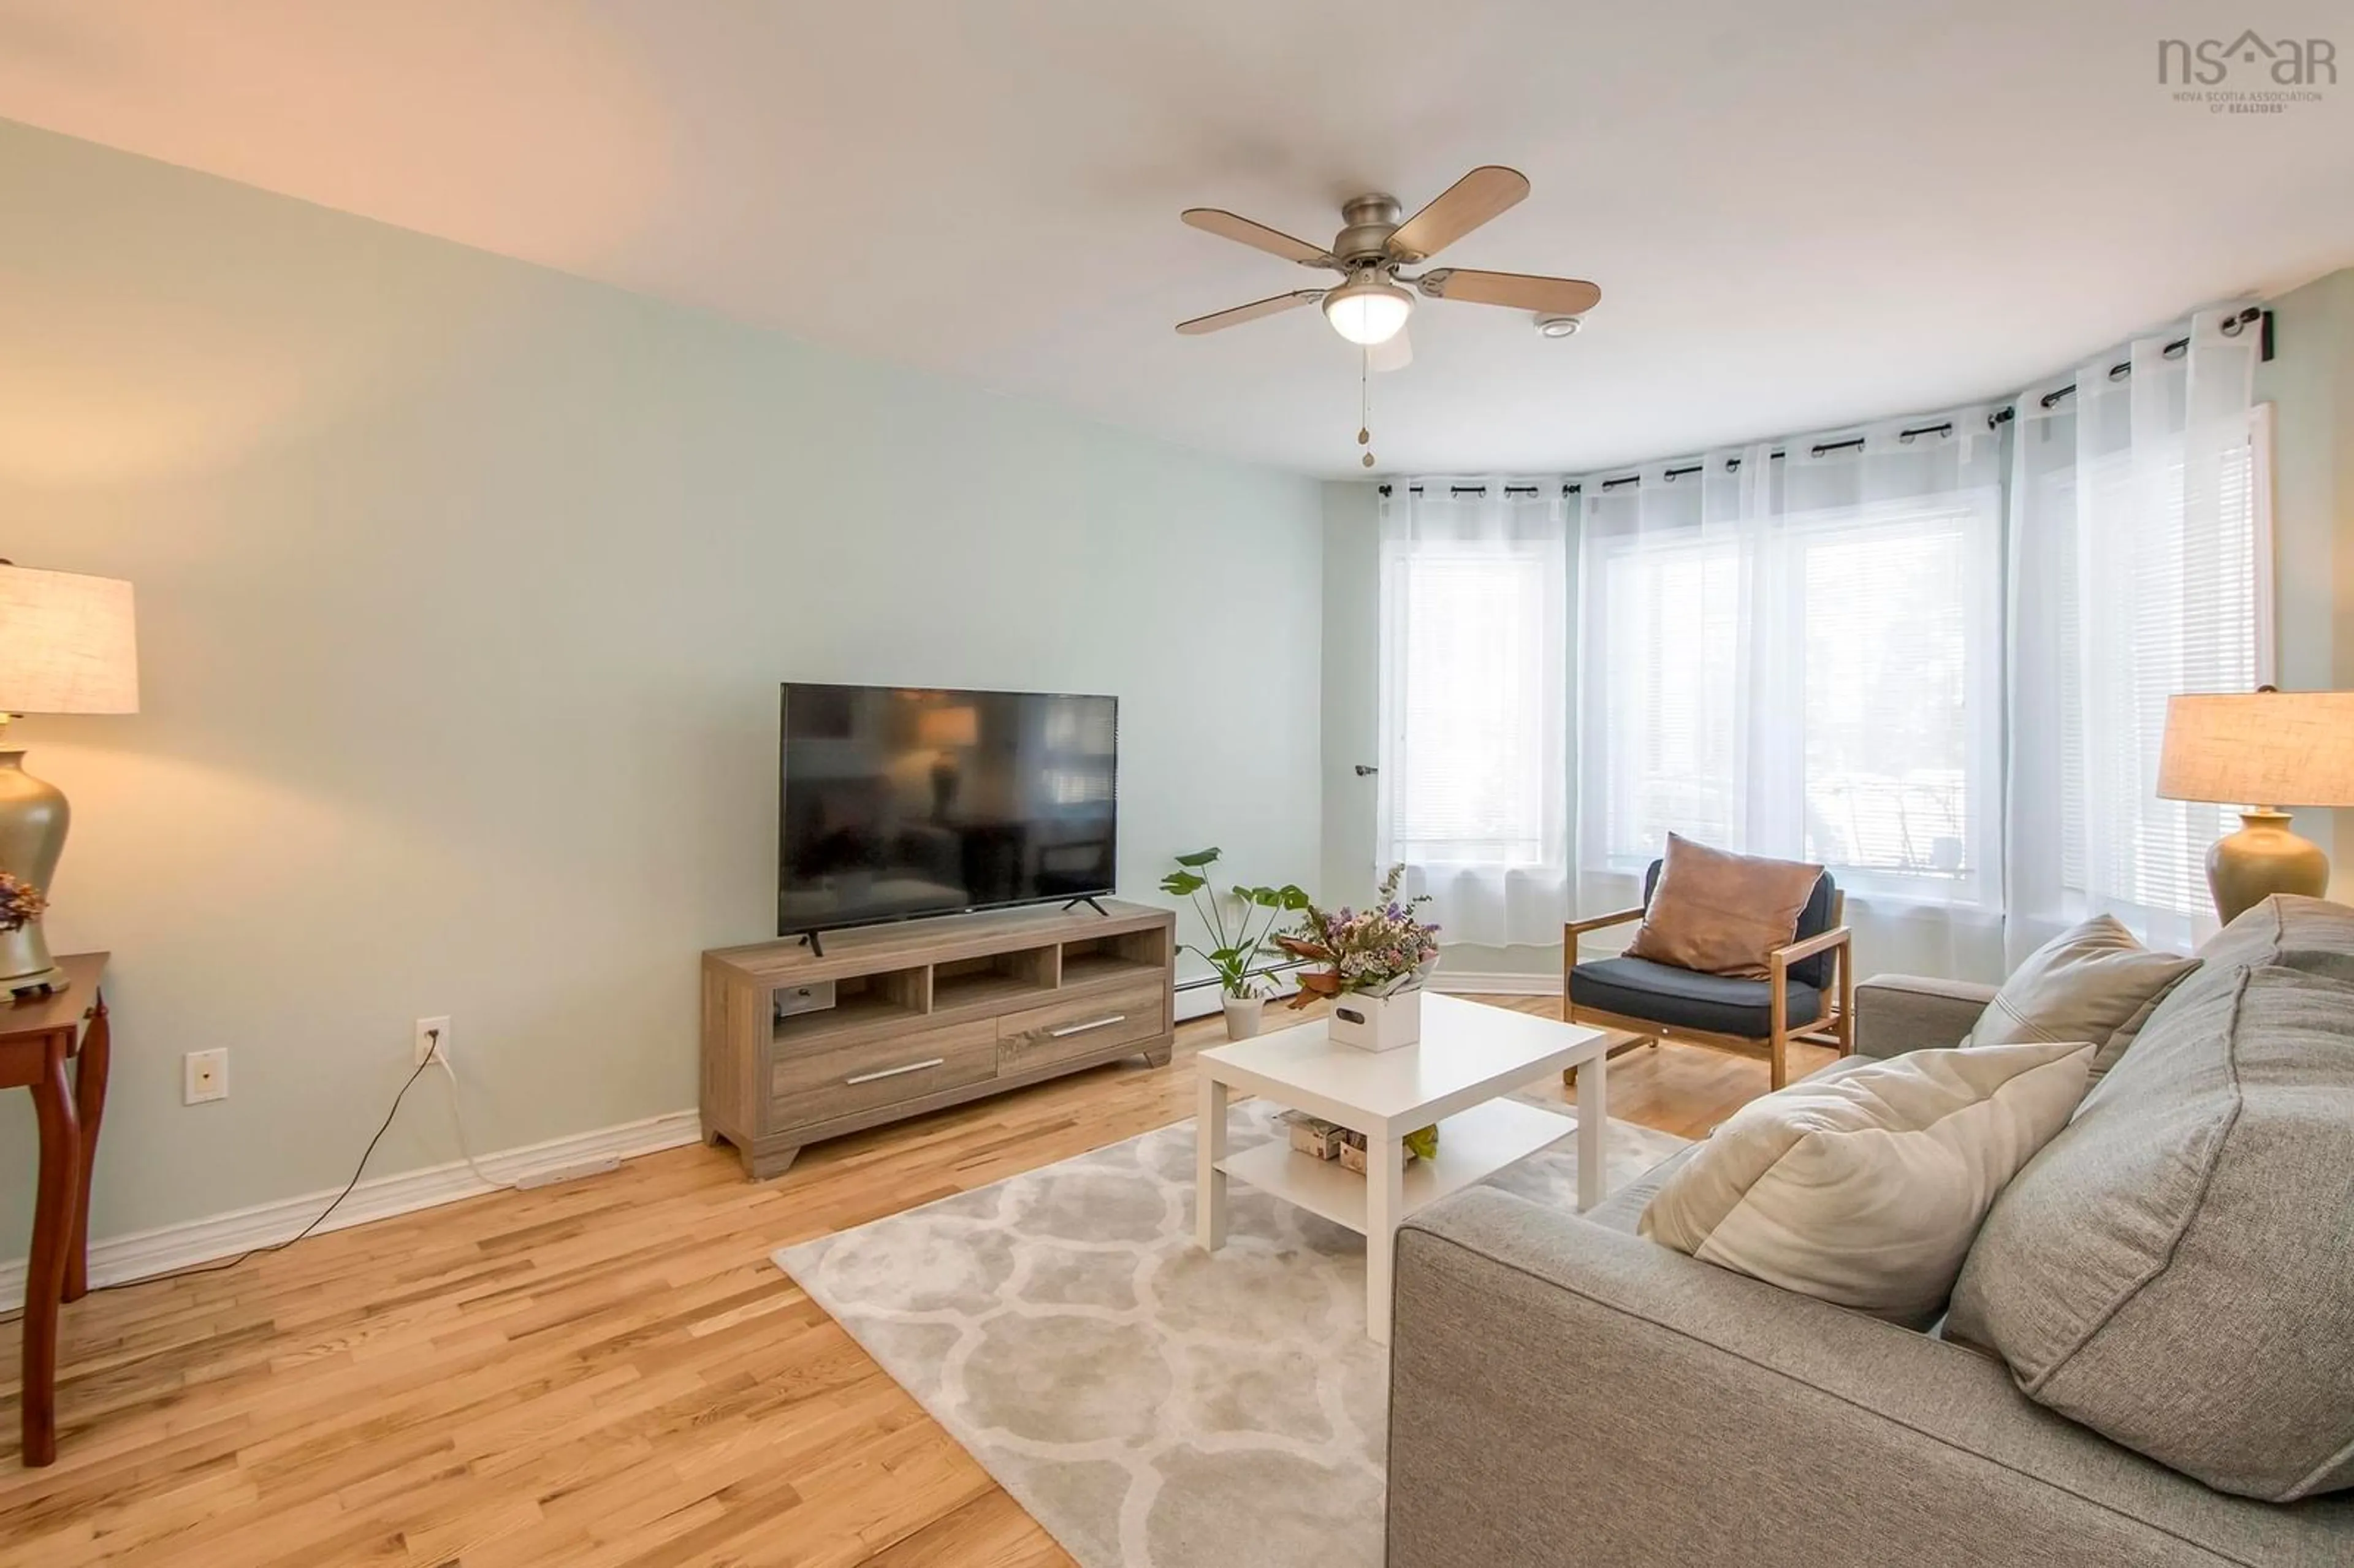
(320, 1219)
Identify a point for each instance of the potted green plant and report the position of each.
(1241, 942)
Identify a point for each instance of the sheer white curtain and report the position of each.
(1797, 650)
(1473, 793)
(2139, 568)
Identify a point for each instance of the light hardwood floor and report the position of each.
(604, 1373)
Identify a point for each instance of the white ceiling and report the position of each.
(1801, 212)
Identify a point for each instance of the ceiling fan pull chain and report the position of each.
(1365, 404)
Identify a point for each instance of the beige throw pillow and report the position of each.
(1865, 1185)
(1721, 913)
(2093, 982)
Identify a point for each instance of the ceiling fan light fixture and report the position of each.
(1367, 310)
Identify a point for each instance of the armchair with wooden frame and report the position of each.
(1648, 999)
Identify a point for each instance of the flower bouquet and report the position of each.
(1375, 961)
(24, 963)
(20, 903)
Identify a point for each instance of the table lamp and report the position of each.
(2278, 748)
(65, 647)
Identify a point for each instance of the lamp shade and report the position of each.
(943, 729)
(2263, 748)
(67, 644)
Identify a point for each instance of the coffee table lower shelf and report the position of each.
(1461, 1075)
(1473, 1145)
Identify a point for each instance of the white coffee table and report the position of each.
(1469, 1059)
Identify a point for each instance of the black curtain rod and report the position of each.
(1733, 465)
(1995, 421)
(1475, 489)
(2175, 350)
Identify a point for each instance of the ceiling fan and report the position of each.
(1369, 307)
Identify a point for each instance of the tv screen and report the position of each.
(897, 802)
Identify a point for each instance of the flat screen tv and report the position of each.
(897, 802)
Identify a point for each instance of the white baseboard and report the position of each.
(1199, 1002)
(1463, 982)
(145, 1253)
(1204, 1001)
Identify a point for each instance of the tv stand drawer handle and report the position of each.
(894, 1072)
(1083, 1028)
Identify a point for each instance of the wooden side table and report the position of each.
(38, 1035)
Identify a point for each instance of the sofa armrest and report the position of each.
(1562, 1393)
(1896, 1013)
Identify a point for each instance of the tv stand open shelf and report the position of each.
(927, 1013)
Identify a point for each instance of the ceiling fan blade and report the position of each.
(1518, 291)
(1455, 212)
(1395, 354)
(1249, 312)
(1257, 236)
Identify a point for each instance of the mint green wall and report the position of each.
(2310, 383)
(464, 588)
(1353, 609)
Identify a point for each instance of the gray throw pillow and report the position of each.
(2172, 1270)
(2093, 982)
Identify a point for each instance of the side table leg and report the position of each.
(1209, 1180)
(89, 1105)
(44, 1273)
(1593, 1127)
(1385, 1210)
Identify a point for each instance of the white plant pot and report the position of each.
(1245, 1014)
(1378, 1024)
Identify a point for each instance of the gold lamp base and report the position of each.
(33, 819)
(25, 967)
(2260, 860)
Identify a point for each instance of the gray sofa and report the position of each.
(1566, 1392)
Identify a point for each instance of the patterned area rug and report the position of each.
(1153, 1405)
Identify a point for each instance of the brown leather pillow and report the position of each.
(1721, 913)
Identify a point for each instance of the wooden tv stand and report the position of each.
(927, 1013)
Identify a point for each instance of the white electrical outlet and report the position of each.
(204, 1075)
(432, 1034)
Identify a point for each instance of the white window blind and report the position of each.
(2176, 611)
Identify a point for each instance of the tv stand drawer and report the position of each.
(1082, 1026)
(814, 1086)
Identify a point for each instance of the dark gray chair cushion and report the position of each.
(1674, 998)
(1813, 921)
